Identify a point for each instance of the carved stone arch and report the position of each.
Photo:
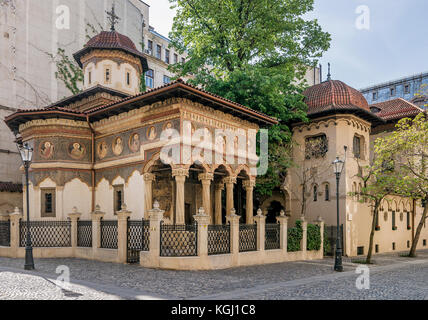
(206, 167)
(131, 174)
(409, 205)
(148, 166)
(243, 167)
(225, 166)
(393, 205)
(46, 178)
(77, 178)
(101, 180)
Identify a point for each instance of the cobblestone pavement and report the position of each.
(392, 277)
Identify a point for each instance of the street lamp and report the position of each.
(26, 153)
(338, 166)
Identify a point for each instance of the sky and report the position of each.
(381, 41)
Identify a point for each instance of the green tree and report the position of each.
(254, 53)
(405, 154)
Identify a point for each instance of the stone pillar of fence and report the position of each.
(202, 220)
(283, 231)
(122, 233)
(233, 220)
(321, 224)
(74, 217)
(304, 242)
(156, 216)
(260, 220)
(97, 215)
(15, 217)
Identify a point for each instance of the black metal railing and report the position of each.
(84, 234)
(109, 234)
(138, 235)
(218, 239)
(46, 234)
(178, 240)
(272, 236)
(4, 233)
(247, 237)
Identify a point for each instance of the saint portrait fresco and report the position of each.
(168, 126)
(134, 142)
(46, 149)
(118, 146)
(76, 151)
(151, 133)
(102, 150)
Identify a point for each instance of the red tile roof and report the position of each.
(396, 109)
(10, 187)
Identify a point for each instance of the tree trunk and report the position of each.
(418, 231)
(372, 233)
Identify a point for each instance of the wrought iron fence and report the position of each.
(247, 237)
(46, 234)
(330, 240)
(272, 236)
(138, 239)
(218, 239)
(109, 234)
(179, 240)
(4, 233)
(84, 234)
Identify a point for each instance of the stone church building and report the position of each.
(102, 148)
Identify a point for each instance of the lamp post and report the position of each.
(26, 153)
(338, 166)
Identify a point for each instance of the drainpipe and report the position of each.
(92, 163)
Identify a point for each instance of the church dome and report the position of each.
(111, 40)
(334, 96)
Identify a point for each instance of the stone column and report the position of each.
(15, 217)
(219, 187)
(180, 175)
(304, 242)
(321, 224)
(148, 197)
(206, 179)
(122, 234)
(283, 229)
(233, 219)
(74, 217)
(261, 223)
(151, 258)
(202, 220)
(249, 187)
(97, 215)
(230, 182)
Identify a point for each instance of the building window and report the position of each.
(392, 91)
(360, 251)
(375, 95)
(107, 75)
(166, 79)
(316, 147)
(327, 192)
(315, 193)
(407, 89)
(150, 79)
(128, 78)
(394, 226)
(150, 46)
(393, 246)
(167, 56)
(424, 243)
(408, 244)
(175, 58)
(90, 77)
(357, 147)
(158, 52)
(377, 248)
(48, 202)
(118, 198)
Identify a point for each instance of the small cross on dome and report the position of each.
(112, 18)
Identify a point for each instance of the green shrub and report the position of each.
(295, 236)
(314, 237)
(327, 245)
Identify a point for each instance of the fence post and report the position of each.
(321, 224)
(74, 217)
(233, 219)
(202, 220)
(260, 220)
(97, 215)
(304, 242)
(283, 230)
(155, 216)
(15, 217)
(122, 234)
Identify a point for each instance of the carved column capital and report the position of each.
(249, 184)
(206, 177)
(149, 177)
(180, 172)
(230, 180)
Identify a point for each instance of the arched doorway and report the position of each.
(273, 210)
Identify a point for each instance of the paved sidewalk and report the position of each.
(392, 277)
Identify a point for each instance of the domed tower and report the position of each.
(111, 59)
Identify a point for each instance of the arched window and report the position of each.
(327, 192)
(315, 193)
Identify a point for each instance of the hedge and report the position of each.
(314, 237)
(295, 236)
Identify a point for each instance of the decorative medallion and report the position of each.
(102, 150)
(134, 142)
(46, 149)
(117, 146)
(151, 133)
(168, 126)
(76, 151)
